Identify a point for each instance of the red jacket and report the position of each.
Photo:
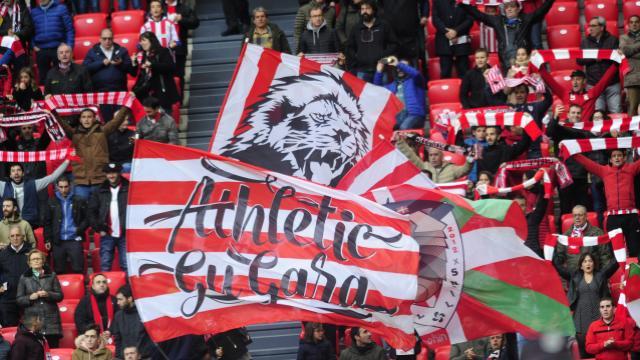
(586, 99)
(618, 181)
(620, 332)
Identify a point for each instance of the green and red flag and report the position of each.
(476, 276)
(630, 296)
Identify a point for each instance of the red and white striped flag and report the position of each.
(297, 117)
(569, 148)
(495, 79)
(620, 124)
(228, 245)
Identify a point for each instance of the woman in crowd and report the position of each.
(39, 293)
(26, 90)
(314, 345)
(587, 286)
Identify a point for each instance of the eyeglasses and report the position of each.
(107, 38)
(37, 259)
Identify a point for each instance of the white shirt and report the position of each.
(114, 215)
(107, 53)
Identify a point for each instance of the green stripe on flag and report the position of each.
(526, 306)
(634, 270)
(491, 208)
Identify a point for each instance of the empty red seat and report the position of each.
(443, 91)
(82, 47)
(608, 9)
(431, 45)
(563, 77)
(89, 24)
(61, 353)
(630, 7)
(67, 308)
(563, 13)
(72, 286)
(69, 334)
(563, 36)
(127, 21)
(9, 333)
(433, 68)
(128, 41)
(115, 279)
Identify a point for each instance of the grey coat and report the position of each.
(630, 46)
(164, 130)
(46, 307)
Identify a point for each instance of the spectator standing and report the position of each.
(453, 43)
(528, 7)
(185, 19)
(121, 144)
(236, 15)
(600, 38)
(369, 42)
(488, 38)
(11, 218)
(127, 328)
(53, 26)
(29, 342)
(39, 293)
(26, 90)
(107, 210)
(98, 307)
(155, 69)
(25, 190)
(609, 338)
(348, 20)
(408, 85)
(473, 90)
(318, 37)
(265, 33)
(90, 140)
(65, 223)
(157, 125)
(537, 109)
(13, 263)
(630, 47)
(314, 345)
(362, 347)
(535, 215)
(498, 152)
(16, 21)
(407, 19)
(303, 16)
(67, 77)
(25, 141)
(164, 29)
(90, 345)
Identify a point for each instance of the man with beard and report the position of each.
(25, 141)
(498, 152)
(362, 347)
(97, 307)
(12, 219)
(127, 328)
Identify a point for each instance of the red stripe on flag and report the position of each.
(309, 66)
(400, 175)
(354, 83)
(387, 119)
(378, 152)
(153, 150)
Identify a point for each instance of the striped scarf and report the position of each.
(31, 117)
(36, 156)
(540, 57)
(164, 29)
(569, 148)
(560, 169)
(599, 127)
(481, 117)
(541, 175)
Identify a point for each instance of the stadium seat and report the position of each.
(39, 235)
(437, 109)
(61, 353)
(127, 21)
(67, 308)
(69, 334)
(87, 25)
(433, 68)
(128, 41)
(630, 7)
(431, 45)
(608, 9)
(82, 47)
(563, 13)
(72, 286)
(563, 77)
(95, 260)
(563, 36)
(564, 64)
(567, 220)
(552, 224)
(115, 279)
(443, 91)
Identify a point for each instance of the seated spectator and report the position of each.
(453, 44)
(65, 222)
(236, 16)
(362, 347)
(157, 125)
(441, 170)
(474, 92)
(90, 140)
(608, 337)
(317, 37)
(39, 293)
(127, 328)
(303, 16)
(67, 77)
(630, 47)
(98, 298)
(26, 90)
(157, 23)
(513, 29)
(155, 72)
(185, 20)
(600, 38)
(13, 263)
(314, 345)
(408, 85)
(53, 26)
(498, 152)
(29, 342)
(25, 190)
(91, 346)
(131, 353)
(371, 40)
(16, 21)
(121, 144)
(348, 20)
(265, 33)
(581, 227)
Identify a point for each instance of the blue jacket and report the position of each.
(68, 229)
(53, 26)
(473, 174)
(108, 78)
(414, 94)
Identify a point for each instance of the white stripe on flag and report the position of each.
(479, 240)
(289, 66)
(372, 100)
(377, 171)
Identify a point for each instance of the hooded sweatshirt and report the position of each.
(318, 40)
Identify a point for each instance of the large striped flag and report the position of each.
(478, 276)
(297, 117)
(214, 244)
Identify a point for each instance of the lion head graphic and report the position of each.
(309, 126)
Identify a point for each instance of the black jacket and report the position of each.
(232, 342)
(12, 266)
(84, 313)
(472, 89)
(36, 169)
(316, 351)
(446, 14)
(280, 42)
(188, 22)
(76, 80)
(52, 217)
(27, 345)
(160, 83)
(25, 97)
(496, 154)
(557, 133)
(26, 24)
(534, 218)
(99, 206)
(380, 42)
(121, 146)
(404, 15)
(110, 77)
(595, 69)
(325, 40)
(45, 307)
(127, 330)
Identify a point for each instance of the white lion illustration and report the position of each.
(308, 126)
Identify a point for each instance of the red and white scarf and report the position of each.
(541, 175)
(89, 100)
(481, 117)
(577, 146)
(56, 132)
(164, 29)
(13, 43)
(488, 39)
(15, 14)
(559, 168)
(599, 127)
(574, 244)
(497, 82)
(37, 156)
(544, 56)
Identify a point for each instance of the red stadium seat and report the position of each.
(69, 334)
(563, 77)
(563, 36)
(128, 21)
(608, 9)
(630, 7)
(552, 224)
(567, 220)
(87, 25)
(95, 260)
(61, 353)
(67, 308)
(82, 47)
(431, 45)
(128, 41)
(72, 286)
(115, 279)
(443, 91)
(563, 13)
(433, 68)
(9, 333)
